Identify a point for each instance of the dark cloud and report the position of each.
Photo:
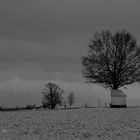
(37, 19)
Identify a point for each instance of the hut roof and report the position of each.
(117, 93)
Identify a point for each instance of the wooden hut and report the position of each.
(118, 99)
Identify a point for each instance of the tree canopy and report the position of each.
(113, 60)
(52, 96)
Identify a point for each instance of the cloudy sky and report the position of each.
(43, 41)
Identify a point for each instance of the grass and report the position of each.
(71, 124)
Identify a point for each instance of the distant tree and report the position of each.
(99, 103)
(86, 105)
(30, 107)
(113, 60)
(71, 98)
(64, 103)
(1, 109)
(34, 106)
(52, 96)
(17, 107)
(105, 104)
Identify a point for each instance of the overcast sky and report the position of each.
(43, 41)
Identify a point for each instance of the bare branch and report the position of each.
(112, 60)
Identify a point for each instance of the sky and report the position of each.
(43, 41)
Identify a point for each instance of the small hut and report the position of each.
(118, 99)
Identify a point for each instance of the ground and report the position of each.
(71, 124)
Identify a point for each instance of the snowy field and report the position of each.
(74, 124)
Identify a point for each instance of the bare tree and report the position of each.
(52, 96)
(113, 60)
(65, 104)
(86, 105)
(71, 98)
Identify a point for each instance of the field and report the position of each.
(71, 124)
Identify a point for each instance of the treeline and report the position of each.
(52, 99)
(28, 107)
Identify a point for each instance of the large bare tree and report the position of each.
(52, 96)
(113, 60)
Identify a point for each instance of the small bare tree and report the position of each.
(52, 96)
(71, 98)
(113, 60)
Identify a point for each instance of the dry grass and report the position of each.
(74, 124)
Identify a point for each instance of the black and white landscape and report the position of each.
(64, 64)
